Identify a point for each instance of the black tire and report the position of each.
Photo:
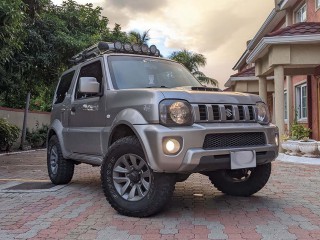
(60, 170)
(157, 194)
(236, 183)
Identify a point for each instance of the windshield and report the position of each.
(143, 72)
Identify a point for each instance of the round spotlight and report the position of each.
(153, 49)
(157, 54)
(136, 47)
(103, 46)
(127, 47)
(118, 46)
(171, 146)
(144, 48)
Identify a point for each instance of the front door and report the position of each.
(86, 118)
(318, 110)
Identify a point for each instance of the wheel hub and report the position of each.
(134, 176)
(131, 177)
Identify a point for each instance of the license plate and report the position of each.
(243, 159)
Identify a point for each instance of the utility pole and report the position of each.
(24, 127)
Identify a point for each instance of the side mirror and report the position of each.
(89, 85)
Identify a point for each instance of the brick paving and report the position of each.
(287, 208)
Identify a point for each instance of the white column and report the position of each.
(279, 98)
(289, 17)
(290, 109)
(263, 88)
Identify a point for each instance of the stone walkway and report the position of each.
(287, 208)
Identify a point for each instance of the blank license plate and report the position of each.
(243, 159)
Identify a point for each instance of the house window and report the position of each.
(317, 4)
(301, 101)
(285, 106)
(301, 14)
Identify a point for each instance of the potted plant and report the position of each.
(309, 147)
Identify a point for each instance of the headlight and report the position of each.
(175, 112)
(263, 113)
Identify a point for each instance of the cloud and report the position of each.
(137, 5)
(218, 29)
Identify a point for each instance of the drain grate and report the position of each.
(32, 186)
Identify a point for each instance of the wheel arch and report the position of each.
(56, 129)
(124, 129)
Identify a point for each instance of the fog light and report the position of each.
(171, 146)
(276, 139)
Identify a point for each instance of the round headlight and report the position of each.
(263, 113)
(180, 112)
(176, 112)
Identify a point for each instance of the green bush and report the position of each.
(299, 132)
(37, 137)
(9, 133)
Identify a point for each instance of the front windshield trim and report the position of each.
(169, 74)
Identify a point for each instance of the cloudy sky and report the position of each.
(218, 29)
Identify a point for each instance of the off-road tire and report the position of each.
(256, 181)
(161, 184)
(65, 168)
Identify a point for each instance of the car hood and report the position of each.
(194, 96)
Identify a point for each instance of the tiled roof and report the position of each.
(250, 72)
(304, 28)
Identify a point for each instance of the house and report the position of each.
(282, 64)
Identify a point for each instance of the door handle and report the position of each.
(73, 109)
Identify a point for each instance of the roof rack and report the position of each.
(102, 47)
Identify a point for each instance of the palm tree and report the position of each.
(136, 37)
(206, 80)
(192, 61)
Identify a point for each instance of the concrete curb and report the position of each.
(20, 152)
(299, 160)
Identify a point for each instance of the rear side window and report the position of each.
(63, 87)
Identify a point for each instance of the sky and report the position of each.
(218, 29)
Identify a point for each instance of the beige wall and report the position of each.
(15, 116)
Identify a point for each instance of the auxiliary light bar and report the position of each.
(104, 47)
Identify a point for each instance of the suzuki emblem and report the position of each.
(228, 112)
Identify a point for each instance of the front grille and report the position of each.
(251, 112)
(216, 112)
(224, 113)
(229, 140)
(241, 113)
(203, 112)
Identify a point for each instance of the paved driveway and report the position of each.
(287, 208)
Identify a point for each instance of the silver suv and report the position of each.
(149, 124)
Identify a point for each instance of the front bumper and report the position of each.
(192, 157)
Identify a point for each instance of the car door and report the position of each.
(86, 118)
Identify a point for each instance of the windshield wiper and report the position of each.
(157, 87)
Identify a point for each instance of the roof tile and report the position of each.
(250, 72)
(304, 28)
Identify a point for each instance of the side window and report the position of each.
(63, 87)
(91, 70)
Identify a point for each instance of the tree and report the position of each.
(51, 36)
(11, 28)
(192, 61)
(136, 37)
